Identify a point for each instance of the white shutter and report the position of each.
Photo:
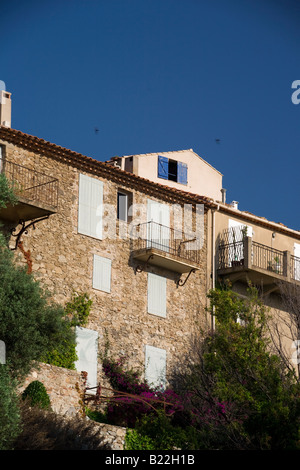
(90, 206)
(235, 235)
(155, 366)
(158, 235)
(157, 298)
(101, 273)
(87, 353)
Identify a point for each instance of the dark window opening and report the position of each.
(172, 170)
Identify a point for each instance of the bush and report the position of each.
(46, 430)
(157, 432)
(138, 398)
(37, 395)
(10, 423)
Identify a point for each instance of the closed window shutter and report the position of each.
(158, 233)
(90, 206)
(182, 173)
(87, 353)
(101, 273)
(157, 289)
(155, 366)
(163, 167)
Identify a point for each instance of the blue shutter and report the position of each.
(163, 167)
(182, 173)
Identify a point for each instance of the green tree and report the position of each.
(30, 323)
(238, 391)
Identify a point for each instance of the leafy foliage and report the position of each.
(45, 430)
(7, 195)
(10, 421)
(30, 324)
(76, 311)
(37, 395)
(138, 399)
(237, 393)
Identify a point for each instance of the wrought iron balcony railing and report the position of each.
(31, 185)
(151, 235)
(253, 255)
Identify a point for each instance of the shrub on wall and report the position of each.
(77, 311)
(37, 395)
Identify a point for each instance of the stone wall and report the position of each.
(64, 388)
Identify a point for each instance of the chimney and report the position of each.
(223, 191)
(5, 108)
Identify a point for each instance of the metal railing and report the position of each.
(32, 185)
(154, 235)
(230, 254)
(295, 268)
(251, 254)
(267, 258)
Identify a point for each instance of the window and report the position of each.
(101, 273)
(124, 201)
(155, 366)
(87, 352)
(90, 206)
(157, 288)
(172, 170)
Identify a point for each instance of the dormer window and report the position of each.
(172, 170)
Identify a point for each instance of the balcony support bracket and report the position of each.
(181, 282)
(142, 267)
(24, 229)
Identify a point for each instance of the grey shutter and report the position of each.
(157, 295)
(90, 206)
(87, 353)
(102, 273)
(155, 366)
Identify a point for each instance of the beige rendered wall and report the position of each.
(202, 178)
(270, 236)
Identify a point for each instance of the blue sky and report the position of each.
(161, 75)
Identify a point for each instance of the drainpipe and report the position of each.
(213, 260)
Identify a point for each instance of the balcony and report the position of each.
(36, 192)
(246, 260)
(167, 248)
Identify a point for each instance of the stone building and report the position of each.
(145, 236)
(136, 247)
